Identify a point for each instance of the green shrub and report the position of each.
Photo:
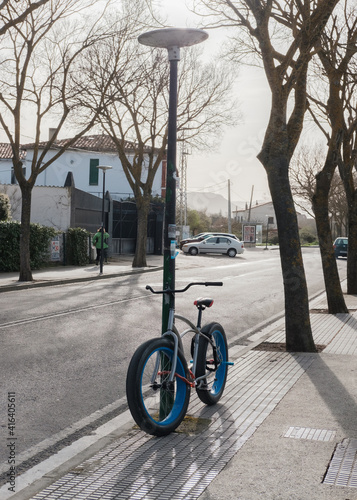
(4, 207)
(40, 237)
(307, 236)
(10, 245)
(274, 240)
(77, 246)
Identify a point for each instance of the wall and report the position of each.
(50, 206)
(78, 163)
(258, 214)
(5, 171)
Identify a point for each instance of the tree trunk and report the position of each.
(25, 267)
(142, 207)
(297, 320)
(352, 245)
(335, 300)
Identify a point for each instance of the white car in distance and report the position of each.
(215, 244)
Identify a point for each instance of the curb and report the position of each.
(39, 284)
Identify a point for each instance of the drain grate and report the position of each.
(312, 434)
(342, 470)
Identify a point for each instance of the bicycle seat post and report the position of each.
(199, 317)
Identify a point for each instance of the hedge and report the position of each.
(4, 207)
(10, 245)
(77, 246)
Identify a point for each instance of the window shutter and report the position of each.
(93, 172)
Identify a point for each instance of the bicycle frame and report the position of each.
(173, 332)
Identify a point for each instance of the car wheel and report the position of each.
(232, 252)
(193, 251)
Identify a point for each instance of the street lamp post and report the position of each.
(171, 39)
(104, 168)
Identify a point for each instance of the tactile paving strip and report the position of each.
(337, 332)
(310, 434)
(342, 470)
(181, 466)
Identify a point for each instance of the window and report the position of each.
(93, 172)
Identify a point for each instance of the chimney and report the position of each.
(51, 133)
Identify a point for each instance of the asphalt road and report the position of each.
(65, 349)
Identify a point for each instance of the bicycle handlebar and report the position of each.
(205, 283)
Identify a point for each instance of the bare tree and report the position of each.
(305, 165)
(317, 182)
(136, 110)
(23, 9)
(303, 168)
(335, 115)
(37, 80)
(347, 168)
(312, 183)
(282, 35)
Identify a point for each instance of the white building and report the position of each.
(262, 214)
(257, 214)
(82, 160)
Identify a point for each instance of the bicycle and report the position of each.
(159, 381)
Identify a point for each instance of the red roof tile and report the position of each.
(6, 152)
(99, 142)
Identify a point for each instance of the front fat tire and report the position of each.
(215, 381)
(146, 400)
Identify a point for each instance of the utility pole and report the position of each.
(250, 204)
(229, 207)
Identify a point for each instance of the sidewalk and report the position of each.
(285, 429)
(70, 274)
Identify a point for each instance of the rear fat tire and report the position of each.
(215, 381)
(147, 401)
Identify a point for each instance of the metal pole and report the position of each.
(102, 236)
(266, 240)
(170, 200)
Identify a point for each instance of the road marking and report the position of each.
(69, 311)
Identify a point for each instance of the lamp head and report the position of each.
(104, 167)
(172, 39)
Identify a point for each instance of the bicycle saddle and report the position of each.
(202, 302)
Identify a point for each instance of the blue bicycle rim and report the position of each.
(222, 355)
(180, 390)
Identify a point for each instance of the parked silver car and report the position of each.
(203, 236)
(215, 244)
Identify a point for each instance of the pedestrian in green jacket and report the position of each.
(97, 242)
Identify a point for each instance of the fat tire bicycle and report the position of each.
(159, 380)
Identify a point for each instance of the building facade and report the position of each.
(82, 160)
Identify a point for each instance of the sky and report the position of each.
(235, 158)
